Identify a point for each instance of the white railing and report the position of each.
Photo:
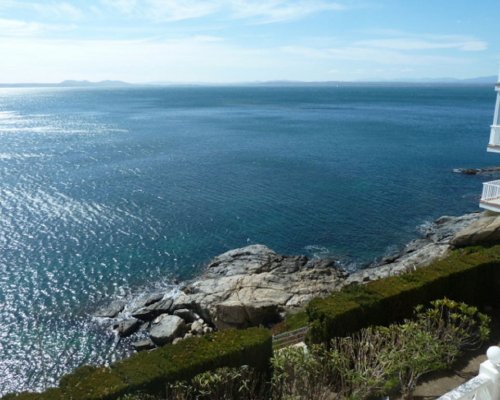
(289, 338)
(491, 191)
(485, 386)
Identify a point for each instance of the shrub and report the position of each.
(376, 360)
(149, 372)
(299, 374)
(456, 324)
(242, 383)
(471, 275)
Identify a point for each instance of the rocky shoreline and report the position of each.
(254, 285)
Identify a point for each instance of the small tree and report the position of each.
(414, 352)
(457, 325)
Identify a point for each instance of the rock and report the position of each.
(111, 310)
(485, 230)
(128, 327)
(148, 299)
(197, 327)
(237, 314)
(145, 344)
(186, 315)
(477, 171)
(166, 328)
(152, 311)
(436, 243)
(258, 284)
(177, 340)
(207, 329)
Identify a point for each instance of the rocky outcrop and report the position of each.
(435, 243)
(484, 231)
(254, 285)
(477, 171)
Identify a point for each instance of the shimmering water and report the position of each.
(106, 191)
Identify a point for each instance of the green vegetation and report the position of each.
(471, 275)
(291, 322)
(378, 360)
(373, 362)
(151, 371)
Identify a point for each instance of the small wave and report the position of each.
(317, 251)
(20, 156)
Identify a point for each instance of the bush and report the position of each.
(471, 275)
(243, 383)
(149, 372)
(376, 360)
(230, 348)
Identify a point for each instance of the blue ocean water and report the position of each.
(104, 192)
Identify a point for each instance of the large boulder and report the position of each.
(235, 314)
(486, 230)
(128, 326)
(152, 311)
(111, 310)
(166, 328)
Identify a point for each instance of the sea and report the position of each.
(108, 192)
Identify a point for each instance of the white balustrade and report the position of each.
(485, 386)
(491, 191)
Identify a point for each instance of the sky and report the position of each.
(223, 41)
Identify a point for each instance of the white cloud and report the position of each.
(268, 11)
(409, 44)
(50, 10)
(165, 10)
(18, 28)
(260, 11)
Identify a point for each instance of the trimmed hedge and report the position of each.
(150, 371)
(470, 275)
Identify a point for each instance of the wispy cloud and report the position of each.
(427, 42)
(50, 10)
(19, 28)
(164, 10)
(280, 10)
(259, 11)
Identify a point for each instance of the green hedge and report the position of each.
(149, 371)
(471, 275)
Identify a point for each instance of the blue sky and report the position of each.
(243, 41)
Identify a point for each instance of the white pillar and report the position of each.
(491, 369)
(495, 132)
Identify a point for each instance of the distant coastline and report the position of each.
(485, 80)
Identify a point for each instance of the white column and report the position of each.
(491, 369)
(495, 132)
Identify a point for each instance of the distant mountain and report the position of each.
(492, 79)
(483, 80)
(107, 83)
(68, 83)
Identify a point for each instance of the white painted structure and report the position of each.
(494, 144)
(485, 386)
(490, 199)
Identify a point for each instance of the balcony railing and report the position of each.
(491, 192)
(485, 386)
